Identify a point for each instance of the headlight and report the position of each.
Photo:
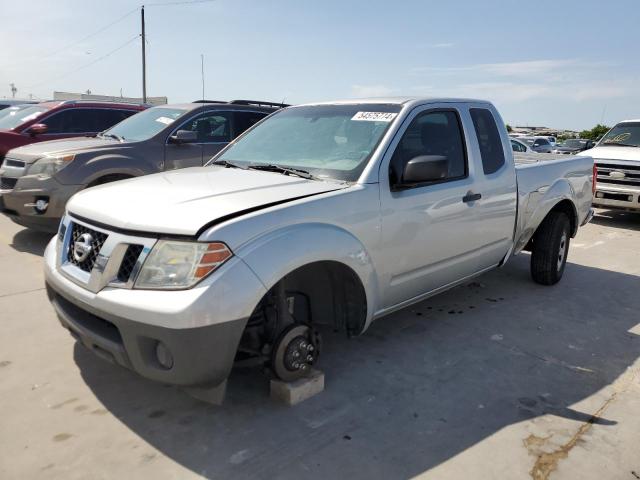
(49, 166)
(176, 265)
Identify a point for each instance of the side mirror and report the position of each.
(425, 168)
(183, 136)
(37, 129)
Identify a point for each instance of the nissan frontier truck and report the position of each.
(333, 214)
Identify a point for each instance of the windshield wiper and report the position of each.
(284, 170)
(111, 135)
(227, 164)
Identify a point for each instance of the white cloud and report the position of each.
(363, 91)
(567, 79)
(442, 45)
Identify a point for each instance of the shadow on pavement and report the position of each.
(617, 219)
(418, 388)
(31, 241)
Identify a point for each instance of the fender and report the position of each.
(274, 255)
(543, 200)
(88, 171)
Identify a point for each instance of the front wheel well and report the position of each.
(111, 177)
(320, 293)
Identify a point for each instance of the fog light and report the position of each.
(599, 195)
(164, 355)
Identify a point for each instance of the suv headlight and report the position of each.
(174, 265)
(49, 166)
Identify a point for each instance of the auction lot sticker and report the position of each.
(374, 116)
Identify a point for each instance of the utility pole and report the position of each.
(144, 59)
(202, 72)
(13, 90)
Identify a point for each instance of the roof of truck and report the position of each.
(400, 100)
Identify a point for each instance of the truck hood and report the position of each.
(183, 201)
(614, 153)
(30, 153)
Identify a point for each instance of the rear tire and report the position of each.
(550, 249)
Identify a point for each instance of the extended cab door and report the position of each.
(439, 232)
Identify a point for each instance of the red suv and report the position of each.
(54, 120)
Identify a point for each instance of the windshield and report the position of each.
(624, 134)
(18, 115)
(145, 124)
(328, 141)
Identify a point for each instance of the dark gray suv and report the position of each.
(37, 180)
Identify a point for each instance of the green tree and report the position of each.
(595, 133)
(509, 129)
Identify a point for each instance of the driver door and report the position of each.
(212, 130)
(428, 230)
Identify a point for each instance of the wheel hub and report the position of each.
(562, 251)
(295, 352)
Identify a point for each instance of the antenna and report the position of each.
(202, 73)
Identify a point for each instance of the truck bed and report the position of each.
(544, 179)
(525, 158)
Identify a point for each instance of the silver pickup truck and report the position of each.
(330, 214)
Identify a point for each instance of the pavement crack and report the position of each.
(548, 462)
(21, 292)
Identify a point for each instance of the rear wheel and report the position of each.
(550, 248)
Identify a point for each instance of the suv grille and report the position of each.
(128, 262)
(631, 174)
(7, 183)
(97, 239)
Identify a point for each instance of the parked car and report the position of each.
(573, 146)
(39, 179)
(333, 213)
(518, 146)
(13, 110)
(538, 144)
(6, 103)
(53, 120)
(617, 156)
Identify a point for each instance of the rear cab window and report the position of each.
(489, 140)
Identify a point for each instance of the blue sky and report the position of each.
(566, 64)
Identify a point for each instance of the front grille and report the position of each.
(7, 183)
(97, 239)
(631, 174)
(129, 262)
(10, 162)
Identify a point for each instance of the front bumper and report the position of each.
(617, 197)
(200, 328)
(18, 203)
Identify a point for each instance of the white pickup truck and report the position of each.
(617, 157)
(323, 214)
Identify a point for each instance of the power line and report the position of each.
(88, 64)
(179, 2)
(119, 19)
(87, 37)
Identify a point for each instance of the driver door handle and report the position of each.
(471, 197)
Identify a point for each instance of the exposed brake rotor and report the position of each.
(295, 352)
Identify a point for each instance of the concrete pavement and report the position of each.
(500, 378)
